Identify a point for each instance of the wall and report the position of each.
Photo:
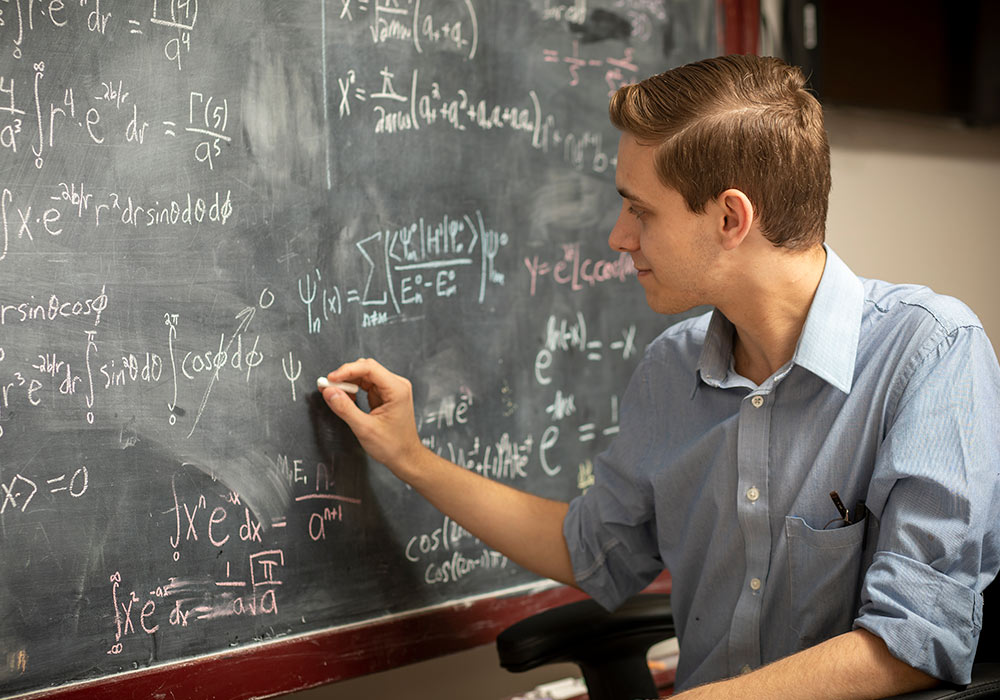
(914, 200)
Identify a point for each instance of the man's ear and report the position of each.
(736, 217)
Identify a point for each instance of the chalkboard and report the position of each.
(205, 206)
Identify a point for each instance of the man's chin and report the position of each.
(668, 307)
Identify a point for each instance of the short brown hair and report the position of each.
(745, 122)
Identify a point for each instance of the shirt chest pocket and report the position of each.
(823, 568)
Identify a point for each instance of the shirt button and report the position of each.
(755, 584)
(757, 401)
(753, 494)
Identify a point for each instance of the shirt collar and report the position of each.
(717, 353)
(828, 345)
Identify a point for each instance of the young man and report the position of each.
(738, 424)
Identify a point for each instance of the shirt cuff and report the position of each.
(605, 567)
(926, 619)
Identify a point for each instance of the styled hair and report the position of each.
(744, 122)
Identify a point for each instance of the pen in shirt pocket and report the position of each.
(850, 518)
(861, 513)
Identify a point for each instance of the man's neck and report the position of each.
(771, 310)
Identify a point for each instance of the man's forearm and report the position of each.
(524, 527)
(852, 666)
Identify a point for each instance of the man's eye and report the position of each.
(637, 213)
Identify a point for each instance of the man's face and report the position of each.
(673, 248)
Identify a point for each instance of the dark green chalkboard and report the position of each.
(208, 204)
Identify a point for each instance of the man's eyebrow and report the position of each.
(628, 195)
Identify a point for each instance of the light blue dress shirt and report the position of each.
(892, 397)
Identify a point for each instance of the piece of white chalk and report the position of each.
(323, 382)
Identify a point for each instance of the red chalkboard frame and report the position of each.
(306, 661)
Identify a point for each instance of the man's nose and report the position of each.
(623, 237)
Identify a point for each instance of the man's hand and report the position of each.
(525, 527)
(389, 432)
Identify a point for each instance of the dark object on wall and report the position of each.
(934, 57)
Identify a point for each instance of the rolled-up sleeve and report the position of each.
(610, 530)
(935, 491)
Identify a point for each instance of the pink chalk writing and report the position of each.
(578, 272)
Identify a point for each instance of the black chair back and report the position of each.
(989, 638)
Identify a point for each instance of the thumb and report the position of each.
(345, 408)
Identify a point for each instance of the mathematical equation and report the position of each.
(74, 210)
(576, 272)
(407, 267)
(426, 104)
(510, 459)
(53, 376)
(618, 71)
(402, 99)
(170, 22)
(250, 565)
(110, 116)
(449, 26)
(453, 551)
(507, 459)
(20, 491)
(564, 337)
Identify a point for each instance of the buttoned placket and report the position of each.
(752, 514)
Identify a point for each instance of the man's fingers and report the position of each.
(388, 431)
(343, 405)
(381, 384)
(363, 371)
